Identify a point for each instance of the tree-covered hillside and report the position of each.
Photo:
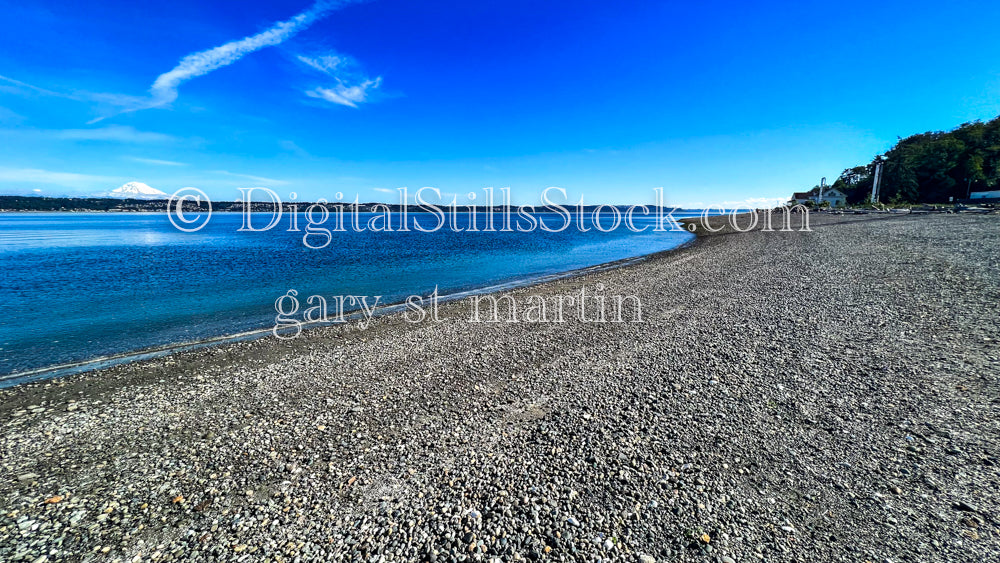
(931, 167)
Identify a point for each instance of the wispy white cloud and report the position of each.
(327, 63)
(110, 102)
(385, 190)
(259, 179)
(292, 147)
(68, 179)
(351, 88)
(157, 161)
(346, 95)
(119, 133)
(10, 116)
(25, 86)
(114, 134)
(164, 89)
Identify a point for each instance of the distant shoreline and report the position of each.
(39, 204)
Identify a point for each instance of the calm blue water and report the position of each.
(82, 286)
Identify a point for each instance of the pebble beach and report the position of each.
(789, 396)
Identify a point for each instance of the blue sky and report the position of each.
(714, 101)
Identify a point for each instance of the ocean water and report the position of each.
(80, 286)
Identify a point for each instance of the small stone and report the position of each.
(643, 558)
(27, 477)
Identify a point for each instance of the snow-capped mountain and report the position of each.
(136, 190)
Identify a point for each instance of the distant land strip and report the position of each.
(100, 204)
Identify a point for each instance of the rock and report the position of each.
(964, 507)
(27, 477)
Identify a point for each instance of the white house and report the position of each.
(835, 197)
